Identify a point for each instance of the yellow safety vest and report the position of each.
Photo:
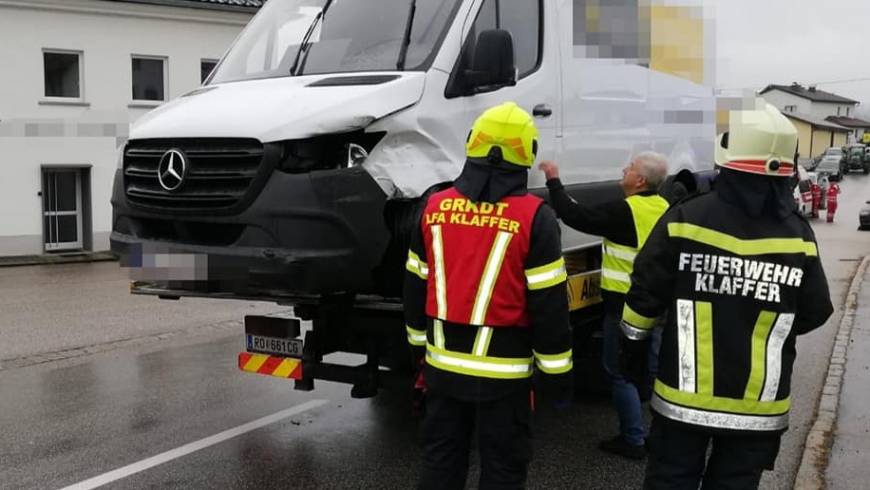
(618, 260)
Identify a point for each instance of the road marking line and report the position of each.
(178, 452)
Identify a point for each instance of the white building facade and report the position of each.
(797, 99)
(76, 74)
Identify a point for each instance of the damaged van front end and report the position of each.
(296, 207)
(274, 178)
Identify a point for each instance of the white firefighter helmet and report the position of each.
(761, 141)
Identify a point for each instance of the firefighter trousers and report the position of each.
(504, 440)
(678, 458)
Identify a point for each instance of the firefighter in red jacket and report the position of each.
(485, 299)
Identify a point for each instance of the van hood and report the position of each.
(282, 108)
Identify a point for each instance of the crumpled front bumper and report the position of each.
(316, 233)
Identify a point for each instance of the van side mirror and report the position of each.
(489, 67)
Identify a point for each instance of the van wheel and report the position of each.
(866, 169)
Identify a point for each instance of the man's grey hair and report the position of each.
(653, 167)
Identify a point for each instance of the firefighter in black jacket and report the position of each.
(624, 225)
(738, 270)
(485, 298)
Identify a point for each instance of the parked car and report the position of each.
(803, 196)
(864, 217)
(855, 160)
(834, 151)
(830, 167)
(867, 154)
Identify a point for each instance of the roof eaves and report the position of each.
(849, 122)
(821, 123)
(818, 96)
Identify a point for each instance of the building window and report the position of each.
(149, 78)
(790, 108)
(63, 74)
(847, 111)
(838, 110)
(205, 69)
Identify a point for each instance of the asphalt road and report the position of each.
(100, 387)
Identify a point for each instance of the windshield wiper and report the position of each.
(406, 38)
(305, 45)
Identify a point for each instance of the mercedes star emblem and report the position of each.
(172, 169)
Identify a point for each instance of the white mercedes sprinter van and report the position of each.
(296, 171)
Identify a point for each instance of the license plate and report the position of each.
(274, 346)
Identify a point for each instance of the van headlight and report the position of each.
(328, 152)
(356, 155)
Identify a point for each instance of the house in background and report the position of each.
(823, 119)
(77, 74)
(796, 98)
(815, 134)
(859, 127)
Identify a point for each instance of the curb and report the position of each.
(22, 260)
(811, 473)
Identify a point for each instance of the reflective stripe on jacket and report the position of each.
(477, 251)
(479, 359)
(737, 291)
(618, 260)
(495, 298)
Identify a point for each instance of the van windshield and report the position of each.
(345, 36)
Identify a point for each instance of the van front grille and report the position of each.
(219, 173)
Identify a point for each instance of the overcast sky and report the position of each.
(782, 41)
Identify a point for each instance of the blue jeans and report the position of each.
(625, 398)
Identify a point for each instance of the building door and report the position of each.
(62, 209)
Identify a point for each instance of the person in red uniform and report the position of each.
(485, 299)
(833, 192)
(816, 190)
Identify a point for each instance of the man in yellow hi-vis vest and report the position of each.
(624, 225)
(738, 271)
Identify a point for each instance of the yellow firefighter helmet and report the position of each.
(508, 128)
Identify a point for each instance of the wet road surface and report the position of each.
(180, 397)
(65, 426)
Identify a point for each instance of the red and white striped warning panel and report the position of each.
(281, 367)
